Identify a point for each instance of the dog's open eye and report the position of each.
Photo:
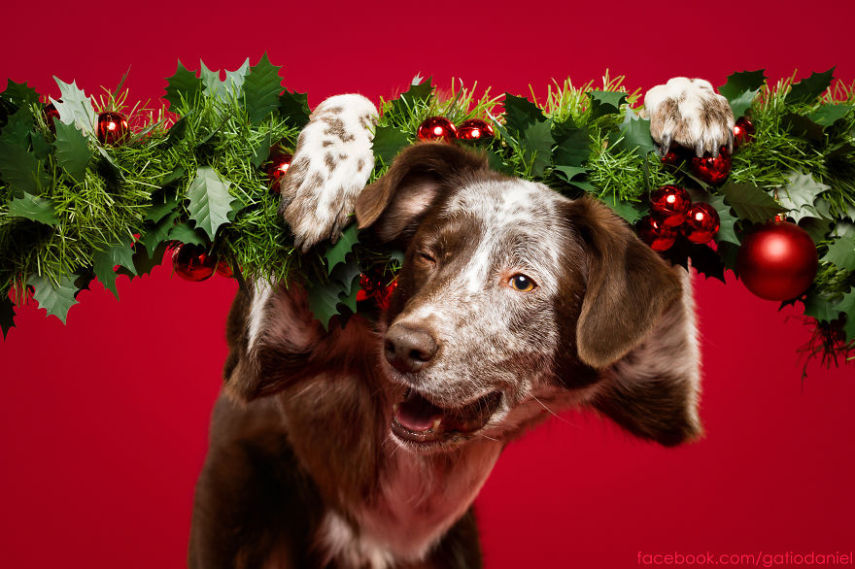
(521, 283)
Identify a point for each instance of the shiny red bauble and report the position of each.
(712, 170)
(655, 234)
(112, 128)
(702, 223)
(778, 261)
(224, 269)
(669, 204)
(437, 129)
(743, 132)
(474, 130)
(193, 263)
(371, 289)
(51, 114)
(278, 162)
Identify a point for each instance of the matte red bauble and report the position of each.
(669, 205)
(701, 224)
(112, 128)
(712, 170)
(743, 131)
(437, 129)
(278, 163)
(474, 129)
(778, 261)
(655, 234)
(193, 263)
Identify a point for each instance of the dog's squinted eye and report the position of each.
(426, 258)
(521, 283)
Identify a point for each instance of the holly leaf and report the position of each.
(34, 208)
(799, 196)
(829, 113)
(820, 308)
(627, 210)
(261, 89)
(210, 201)
(420, 90)
(750, 202)
(520, 113)
(727, 228)
(74, 107)
(72, 150)
(847, 305)
(324, 300)
(185, 234)
(803, 127)
(741, 88)
(120, 254)
(574, 149)
(841, 253)
(703, 259)
(294, 107)
(606, 102)
(20, 169)
(20, 94)
(569, 175)
(388, 142)
(7, 315)
(144, 261)
(156, 212)
(213, 86)
(817, 228)
(261, 152)
(537, 143)
(636, 134)
(807, 90)
(182, 86)
(156, 235)
(338, 252)
(18, 127)
(55, 299)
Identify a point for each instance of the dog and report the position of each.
(364, 446)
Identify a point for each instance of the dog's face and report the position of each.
(511, 301)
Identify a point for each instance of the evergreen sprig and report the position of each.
(73, 209)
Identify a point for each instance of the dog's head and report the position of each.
(514, 300)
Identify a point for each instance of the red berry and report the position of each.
(743, 131)
(702, 223)
(112, 128)
(669, 205)
(712, 170)
(192, 262)
(474, 129)
(655, 234)
(437, 129)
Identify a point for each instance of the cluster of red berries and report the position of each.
(673, 214)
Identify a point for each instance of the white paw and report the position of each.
(331, 165)
(688, 112)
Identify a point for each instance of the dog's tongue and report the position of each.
(417, 413)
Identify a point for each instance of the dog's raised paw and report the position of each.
(689, 113)
(331, 165)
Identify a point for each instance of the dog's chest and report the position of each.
(420, 498)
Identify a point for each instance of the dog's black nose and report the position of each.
(409, 349)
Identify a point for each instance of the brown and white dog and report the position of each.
(365, 446)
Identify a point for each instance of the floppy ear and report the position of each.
(637, 325)
(396, 202)
(628, 285)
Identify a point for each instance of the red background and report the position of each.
(103, 422)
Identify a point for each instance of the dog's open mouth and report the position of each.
(417, 420)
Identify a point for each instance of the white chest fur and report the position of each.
(421, 497)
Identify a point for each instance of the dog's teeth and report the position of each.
(436, 423)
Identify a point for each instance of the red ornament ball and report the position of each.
(474, 129)
(192, 262)
(743, 132)
(655, 234)
(224, 269)
(669, 205)
(112, 128)
(702, 223)
(712, 170)
(437, 129)
(778, 261)
(676, 155)
(278, 162)
(51, 114)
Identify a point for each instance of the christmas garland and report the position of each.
(91, 189)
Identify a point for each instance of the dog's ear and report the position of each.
(627, 285)
(396, 202)
(636, 325)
